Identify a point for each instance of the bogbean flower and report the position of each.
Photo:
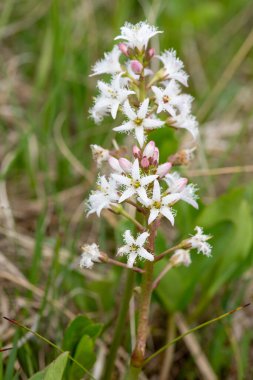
(181, 257)
(138, 35)
(135, 248)
(109, 64)
(104, 197)
(173, 66)
(169, 98)
(89, 256)
(139, 121)
(186, 121)
(178, 185)
(99, 154)
(111, 96)
(159, 204)
(134, 182)
(199, 241)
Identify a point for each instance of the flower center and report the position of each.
(136, 184)
(133, 248)
(157, 204)
(166, 99)
(138, 121)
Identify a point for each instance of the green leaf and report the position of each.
(85, 355)
(56, 369)
(80, 326)
(39, 375)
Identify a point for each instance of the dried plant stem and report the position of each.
(138, 354)
(119, 329)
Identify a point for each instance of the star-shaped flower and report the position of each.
(173, 66)
(186, 121)
(114, 94)
(134, 248)
(159, 204)
(137, 35)
(89, 256)
(170, 100)
(109, 64)
(104, 197)
(178, 185)
(138, 121)
(134, 182)
(199, 241)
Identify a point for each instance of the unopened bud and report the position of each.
(151, 52)
(125, 164)
(149, 149)
(182, 182)
(136, 66)
(123, 48)
(144, 163)
(155, 158)
(136, 151)
(114, 163)
(163, 169)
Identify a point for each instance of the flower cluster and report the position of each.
(147, 100)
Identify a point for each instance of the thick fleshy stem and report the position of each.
(138, 355)
(120, 325)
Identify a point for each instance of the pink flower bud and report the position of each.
(151, 52)
(123, 48)
(163, 169)
(136, 66)
(125, 164)
(136, 151)
(155, 158)
(114, 163)
(182, 182)
(149, 149)
(144, 163)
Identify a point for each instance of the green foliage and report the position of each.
(79, 339)
(55, 370)
(232, 232)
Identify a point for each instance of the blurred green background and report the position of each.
(47, 49)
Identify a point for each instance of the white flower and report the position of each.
(137, 35)
(89, 256)
(113, 95)
(159, 204)
(99, 110)
(133, 182)
(186, 121)
(109, 65)
(168, 98)
(138, 121)
(134, 248)
(173, 66)
(99, 154)
(104, 197)
(181, 257)
(199, 241)
(178, 185)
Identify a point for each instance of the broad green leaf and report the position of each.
(84, 354)
(56, 369)
(80, 326)
(39, 375)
